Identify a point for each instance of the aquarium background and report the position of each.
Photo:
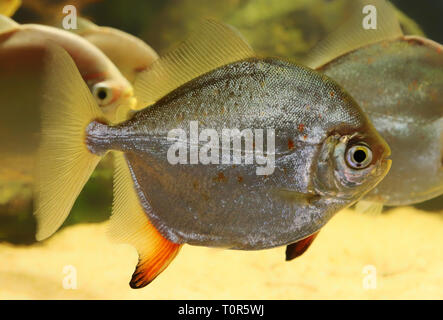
(404, 244)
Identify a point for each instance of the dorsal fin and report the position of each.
(83, 25)
(351, 35)
(212, 46)
(130, 224)
(7, 24)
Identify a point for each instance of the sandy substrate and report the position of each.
(405, 246)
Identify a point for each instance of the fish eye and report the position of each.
(102, 93)
(359, 156)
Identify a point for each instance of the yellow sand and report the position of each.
(405, 246)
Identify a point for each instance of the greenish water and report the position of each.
(281, 27)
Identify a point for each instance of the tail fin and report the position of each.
(64, 163)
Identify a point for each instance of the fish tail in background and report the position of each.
(130, 224)
(64, 162)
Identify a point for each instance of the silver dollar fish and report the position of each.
(319, 156)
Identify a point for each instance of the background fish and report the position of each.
(22, 51)
(405, 104)
(407, 111)
(327, 153)
(105, 81)
(130, 54)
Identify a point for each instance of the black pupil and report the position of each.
(359, 156)
(102, 94)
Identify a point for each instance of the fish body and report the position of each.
(233, 207)
(308, 151)
(399, 84)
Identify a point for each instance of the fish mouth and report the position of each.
(132, 103)
(128, 96)
(128, 93)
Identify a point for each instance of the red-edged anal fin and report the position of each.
(154, 260)
(296, 249)
(130, 224)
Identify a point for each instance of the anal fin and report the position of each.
(369, 207)
(130, 224)
(296, 249)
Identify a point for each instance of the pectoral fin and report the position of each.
(296, 197)
(296, 249)
(130, 224)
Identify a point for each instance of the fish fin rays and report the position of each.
(351, 35)
(369, 207)
(7, 24)
(64, 163)
(212, 46)
(130, 224)
(296, 249)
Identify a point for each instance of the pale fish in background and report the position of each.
(9, 7)
(398, 82)
(327, 153)
(130, 54)
(22, 51)
(109, 87)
